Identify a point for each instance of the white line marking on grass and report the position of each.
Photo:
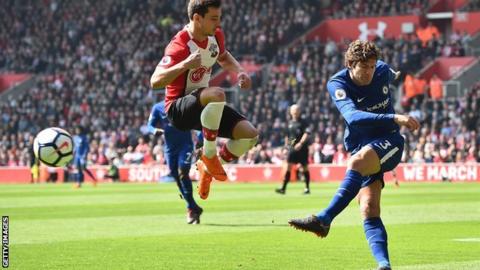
(443, 266)
(467, 239)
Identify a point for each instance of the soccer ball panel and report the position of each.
(64, 143)
(54, 147)
(48, 154)
(46, 136)
(64, 160)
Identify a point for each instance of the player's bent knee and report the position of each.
(356, 163)
(214, 94)
(245, 130)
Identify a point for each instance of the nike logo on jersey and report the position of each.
(360, 99)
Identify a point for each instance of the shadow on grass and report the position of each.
(244, 225)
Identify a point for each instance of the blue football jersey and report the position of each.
(174, 138)
(82, 146)
(368, 110)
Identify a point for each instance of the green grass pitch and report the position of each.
(244, 226)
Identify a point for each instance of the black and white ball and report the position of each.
(54, 147)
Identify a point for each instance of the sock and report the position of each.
(233, 149)
(346, 192)
(185, 186)
(210, 119)
(286, 179)
(187, 193)
(377, 240)
(306, 173)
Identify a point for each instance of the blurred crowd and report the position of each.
(94, 60)
(363, 8)
(472, 5)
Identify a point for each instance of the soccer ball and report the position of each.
(54, 147)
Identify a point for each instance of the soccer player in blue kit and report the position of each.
(82, 147)
(178, 151)
(361, 93)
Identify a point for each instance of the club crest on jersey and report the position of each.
(165, 60)
(340, 94)
(198, 74)
(385, 89)
(213, 49)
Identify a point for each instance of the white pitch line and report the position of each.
(467, 239)
(443, 266)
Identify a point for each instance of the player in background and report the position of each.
(34, 162)
(178, 151)
(82, 147)
(297, 143)
(190, 103)
(361, 94)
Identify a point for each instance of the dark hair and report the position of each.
(201, 7)
(361, 51)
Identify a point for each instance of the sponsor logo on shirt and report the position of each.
(197, 75)
(213, 49)
(381, 105)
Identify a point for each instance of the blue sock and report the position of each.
(346, 192)
(186, 190)
(377, 240)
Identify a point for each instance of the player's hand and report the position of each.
(193, 61)
(407, 121)
(244, 81)
(397, 74)
(158, 132)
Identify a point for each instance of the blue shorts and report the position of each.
(389, 150)
(180, 158)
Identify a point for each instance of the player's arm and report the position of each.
(229, 63)
(355, 117)
(171, 66)
(151, 124)
(351, 114)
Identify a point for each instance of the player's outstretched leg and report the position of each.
(210, 119)
(310, 224)
(320, 223)
(346, 192)
(94, 179)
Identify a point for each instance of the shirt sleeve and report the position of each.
(352, 115)
(220, 37)
(174, 54)
(390, 72)
(155, 119)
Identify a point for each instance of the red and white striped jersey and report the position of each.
(179, 48)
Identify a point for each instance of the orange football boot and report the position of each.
(214, 167)
(204, 181)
